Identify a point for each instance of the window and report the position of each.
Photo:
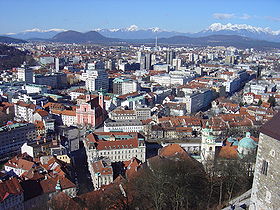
(268, 196)
(264, 167)
(272, 153)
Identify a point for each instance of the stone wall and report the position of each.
(266, 188)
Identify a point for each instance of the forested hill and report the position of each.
(11, 57)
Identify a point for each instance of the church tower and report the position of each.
(207, 145)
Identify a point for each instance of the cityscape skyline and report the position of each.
(178, 16)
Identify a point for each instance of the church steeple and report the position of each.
(58, 187)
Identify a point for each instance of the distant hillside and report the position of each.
(78, 37)
(8, 40)
(212, 40)
(220, 40)
(11, 57)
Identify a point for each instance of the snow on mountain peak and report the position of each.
(236, 27)
(132, 28)
(155, 29)
(48, 30)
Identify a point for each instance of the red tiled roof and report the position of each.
(101, 167)
(102, 144)
(30, 106)
(9, 187)
(48, 185)
(20, 163)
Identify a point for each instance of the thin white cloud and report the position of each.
(275, 19)
(223, 16)
(245, 17)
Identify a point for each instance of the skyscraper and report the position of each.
(25, 74)
(170, 55)
(97, 79)
(56, 64)
(148, 59)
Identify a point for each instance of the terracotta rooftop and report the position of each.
(113, 140)
(172, 150)
(102, 167)
(10, 187)
(48, 185)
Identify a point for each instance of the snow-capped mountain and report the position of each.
(241, 30)
(134, 32)
(36, 33)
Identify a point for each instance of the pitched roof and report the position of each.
(20, 163)
(101, 144)
(48, 185)
(173, 150)
(8, 187)
(23, 104)
(102, 167)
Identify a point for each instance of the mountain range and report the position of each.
(244, 36)
(211, 40)
(134, 32)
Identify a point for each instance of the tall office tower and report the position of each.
(56, 64)
(148, 58)
(191, 57)
(170, 55)
(97, 79)
(142, 62)
(25, 74)
(177, 63)
(109, 65)
(154, 61)
(139, 56)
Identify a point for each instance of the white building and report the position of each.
(117, 146)
(96, 79)
(69, 117)
(25, 75)
(24, 111)
(101, 173)
(33, 88)
(124, 126)
(122, 86)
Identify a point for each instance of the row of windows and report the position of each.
(120, 152)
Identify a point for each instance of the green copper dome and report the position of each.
(247, 142)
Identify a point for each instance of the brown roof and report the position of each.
(271, 128)
(48, 185)
(9, 187)
(172, 150)
(20, 163)
(30, 106)
(102, 144)
(102, 168)
(63, 201)
(68, 113)
(41, 112)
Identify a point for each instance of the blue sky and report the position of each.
(177, 15)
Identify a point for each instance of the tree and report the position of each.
(272, 101)
(259, 102)
(171, 184)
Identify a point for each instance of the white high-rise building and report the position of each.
(96, 79)
(56, 64)
(25, 75)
